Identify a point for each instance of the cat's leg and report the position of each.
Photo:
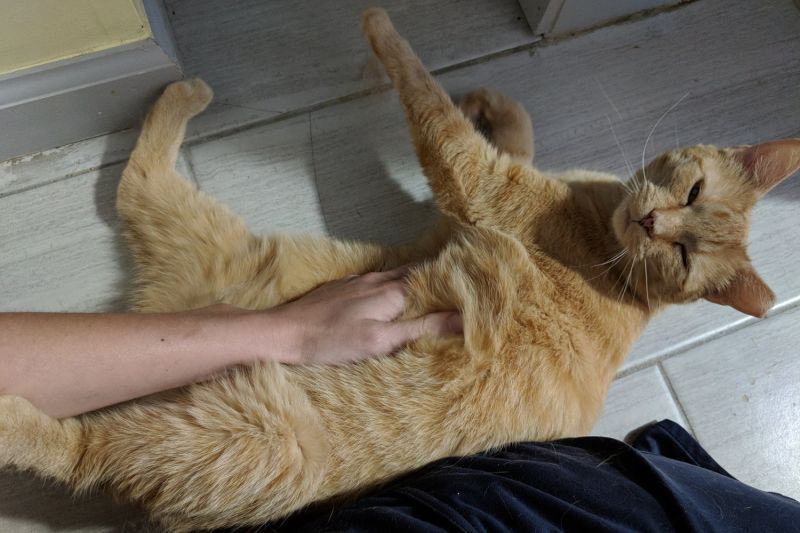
(471, 180)
(240, 450)
(190, 251)
(243, 449)
(183, 241)
(502, 120)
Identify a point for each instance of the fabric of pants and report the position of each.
(663, 481)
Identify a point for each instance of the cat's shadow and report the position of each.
(372, 206)
(105, 196)
(29, 500)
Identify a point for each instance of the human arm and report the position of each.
(67, 364)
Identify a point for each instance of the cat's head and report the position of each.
(687, 217)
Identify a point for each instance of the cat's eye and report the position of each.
(684, 254)
(694, 192)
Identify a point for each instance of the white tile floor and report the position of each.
(301, 140)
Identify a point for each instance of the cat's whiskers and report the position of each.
(616, 138)
(622, 152)
(616, 261)
(608, 98)
(627, 280)
(646, 289)
(633, 184)
(649, 135)
(619, 254)
(616, 254)
(621, 278)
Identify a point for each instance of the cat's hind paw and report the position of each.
(15, 414)
(30, 439)
(501, 120)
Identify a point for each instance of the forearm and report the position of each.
(67, 364)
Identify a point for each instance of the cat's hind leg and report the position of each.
(502, 120)
(183, 241)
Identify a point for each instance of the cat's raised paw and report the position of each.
(375, 21)
(193, 94)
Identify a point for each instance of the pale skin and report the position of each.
(67, 364)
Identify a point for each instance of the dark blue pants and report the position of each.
(664, 482)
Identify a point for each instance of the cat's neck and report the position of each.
(576, 230)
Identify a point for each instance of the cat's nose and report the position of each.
(648, 222)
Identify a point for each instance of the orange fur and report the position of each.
(548, 318)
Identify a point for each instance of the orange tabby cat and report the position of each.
(545, 327)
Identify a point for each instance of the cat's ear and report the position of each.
(746, 292)
(769, 163)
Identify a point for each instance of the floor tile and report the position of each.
(59, 249)
(634, 401)
(265, 175)
(267, 58)
(740, 395)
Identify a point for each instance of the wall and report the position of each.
(35, 32)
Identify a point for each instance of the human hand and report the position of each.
(354, 318)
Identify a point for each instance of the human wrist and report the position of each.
(268, 336)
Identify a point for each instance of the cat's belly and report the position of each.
(388, 417)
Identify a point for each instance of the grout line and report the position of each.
(314, 171)
(288, 115)
(782, 307)
(377, 89)
(67, 176)
(536, 41)
(675, 398)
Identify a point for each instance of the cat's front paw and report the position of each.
(194, 95)
(375, 21)
(377, 27)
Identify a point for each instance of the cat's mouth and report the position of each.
(621, 223)
(628, 230)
